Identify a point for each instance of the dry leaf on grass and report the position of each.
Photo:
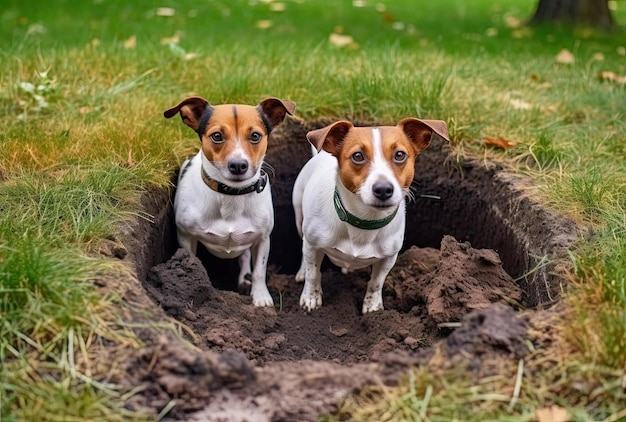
(190, 56)
(598, 57)
(520, 104)
(278, 7)
(512, 22)
(564, 57)
(612, 77)
(264, 24)
(174, 39)
(165, 11)
(130, 43)
(388, 17)
(342, 40)
(491, 32)
(553, 414)
(498, 142)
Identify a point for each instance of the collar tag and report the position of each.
(262, 182)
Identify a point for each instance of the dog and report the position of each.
(349, 200)
(223, 197)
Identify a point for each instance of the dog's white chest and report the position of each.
(352, 256)
(226, 225)
(352, 260)
(230, 237)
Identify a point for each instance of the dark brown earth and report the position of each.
(426, 288)
(461, 297)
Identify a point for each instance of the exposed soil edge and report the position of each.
(263, 395)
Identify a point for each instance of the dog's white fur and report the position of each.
(318, 224)
(229, 226)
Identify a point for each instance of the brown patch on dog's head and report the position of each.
(354, 148)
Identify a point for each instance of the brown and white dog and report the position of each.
(349, 200)
(223, 198)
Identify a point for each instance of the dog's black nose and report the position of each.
(382, 190)
(238, 166)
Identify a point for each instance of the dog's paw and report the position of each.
(372, 303)
(311, 301)
(261, 297)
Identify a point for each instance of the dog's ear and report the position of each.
(276, 110)
(330, 138)
(420, 131)
(190, 109)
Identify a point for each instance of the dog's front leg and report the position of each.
(260, 253)
(245, 272)
(311, 297)
(373, 300)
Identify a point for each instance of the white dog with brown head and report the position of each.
(223, 196)
(349, 201)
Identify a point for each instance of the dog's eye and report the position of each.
(217, 137)
(255, 137)
(400, 157)
(357, 158)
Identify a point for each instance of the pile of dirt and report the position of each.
(329, 346)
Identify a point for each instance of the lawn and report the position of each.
(82, 89)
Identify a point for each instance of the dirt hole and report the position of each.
(473, 238)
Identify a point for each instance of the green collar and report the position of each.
(355, 221)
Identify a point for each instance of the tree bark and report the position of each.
(577, 12)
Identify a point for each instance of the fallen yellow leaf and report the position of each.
(512, 22)
(278, 7)
(264, 24)
(130, 43)
(552, 414)
(174, 39)
(342, 40)
(564, 57)
(491, 32)
(165, 11)
(520, 104)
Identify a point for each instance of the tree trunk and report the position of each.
(578, 12)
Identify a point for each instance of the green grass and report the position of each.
(82, 90)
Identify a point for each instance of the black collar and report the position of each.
(220, 187)
(355, 221)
